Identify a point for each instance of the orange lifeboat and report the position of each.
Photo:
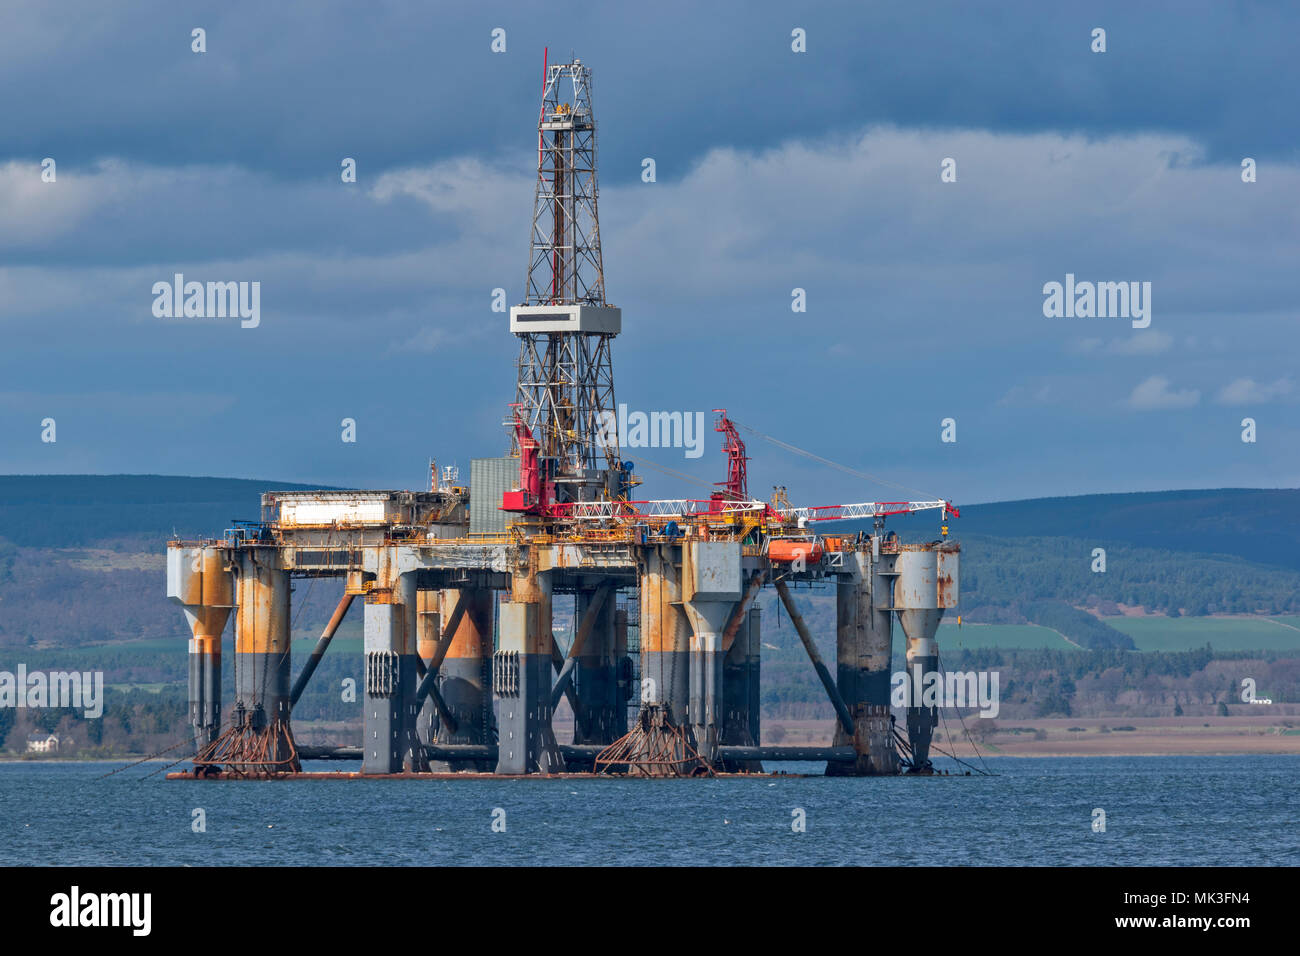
(784, 550)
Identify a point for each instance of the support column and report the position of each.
(197, 579)
(465, 675)
(923, 668)
(926, 586)
(205, 688)
(753, 663)
(262, 651)
(665, 636)
(602, 713)
(661, 742)
(624, 687)
(521, 678)
(740, 689)
(711, 586)
(389, 742)
(428, 631)
(863, 648)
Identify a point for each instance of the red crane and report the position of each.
(532, 496)
(736, 487)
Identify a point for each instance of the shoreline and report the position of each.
(986, 753)
(1188, 736)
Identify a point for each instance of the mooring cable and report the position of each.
(856, 472)
(965, 731)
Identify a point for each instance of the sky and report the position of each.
(775, 170)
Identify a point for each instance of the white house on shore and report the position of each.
(42, 743)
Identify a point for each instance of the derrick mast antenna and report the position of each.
(565, 374)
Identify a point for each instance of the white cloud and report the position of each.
(1246, 391)
(483, 194)
(31, 209)
(1155, 393)
(891, 258)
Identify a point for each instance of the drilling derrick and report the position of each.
(564, 325)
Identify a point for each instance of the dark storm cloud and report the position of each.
(287, 88)
(776, 171)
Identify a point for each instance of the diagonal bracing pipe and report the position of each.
(558, 661)
(428, 683)
(742, 608)
(841, 709)
(318, 651)
(434, 663)
(579, 641)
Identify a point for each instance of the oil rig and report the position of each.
(462, 669)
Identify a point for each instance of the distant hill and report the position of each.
(1191, 553)
(1260, 525)
(69, 511)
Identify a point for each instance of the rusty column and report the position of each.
(389, 742)
(428, 631)
(197, 579)
(863, 649)
(262, 650)
(665, 635)
(465, 674)
(521, 676)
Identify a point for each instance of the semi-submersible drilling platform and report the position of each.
(458, 582)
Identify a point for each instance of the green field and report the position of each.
(1148, 633)
(1222, 633)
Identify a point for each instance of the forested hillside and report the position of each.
(1258, 524)
(71, 511)
(81, 557)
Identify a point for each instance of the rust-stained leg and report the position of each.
(198, 580)
(464, 674)
(428, 631)
(864, 646)
(389, 742)
(261, 738)
(521, 678)
(665, 635)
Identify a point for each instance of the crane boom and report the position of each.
(704, 507)
(867, 509)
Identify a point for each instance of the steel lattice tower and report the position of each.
(565, 326)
